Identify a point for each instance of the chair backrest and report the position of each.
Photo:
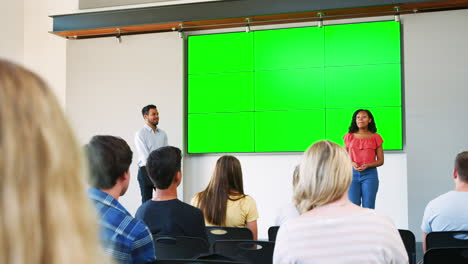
(410, 244)
(251, 251)
(179, 247)
(193, 261)
(454, 239)
(215, 233)
(272, 232)
(446, 255)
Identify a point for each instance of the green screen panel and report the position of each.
(388, 121)
(362, 43)
(289, 89)
(226, 132)
(288, 48)
(389, 126)
(223, 92)
(228, 52)
(288, 130)
(367, 86)
(337, 124)
(272, 73)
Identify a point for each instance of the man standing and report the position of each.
(448, 211)
(165, 214)
(125, 238)
(147, 139)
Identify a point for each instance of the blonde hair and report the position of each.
(45, 214)
(325, 175)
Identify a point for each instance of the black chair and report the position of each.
(250, 251)
(193, 261)
(272, 232)
(215, 233)
(452, 239)
(410, 244)
(179, 247)
(446, 255)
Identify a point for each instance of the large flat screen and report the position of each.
(281, 90)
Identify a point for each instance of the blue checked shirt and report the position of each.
(125, 238)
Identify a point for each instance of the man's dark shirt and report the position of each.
(172, 218)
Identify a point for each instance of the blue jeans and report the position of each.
(364, 187)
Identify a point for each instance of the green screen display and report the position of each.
(284, 89)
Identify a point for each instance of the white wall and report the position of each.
(72, 6)
(11, 33)
(25, 36)
(108, 83)
(45, 53)
(436, 74)
(24, 39)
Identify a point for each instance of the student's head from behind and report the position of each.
(164, 167)
(42, 184)
(150, 114)
(362, 118)
(325, 175)
(225, 181)
(228, 175)
(109, 159)
(461, 166)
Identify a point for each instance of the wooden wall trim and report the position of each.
(332, 14)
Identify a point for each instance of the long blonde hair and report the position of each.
(45, 214)
(325, 175)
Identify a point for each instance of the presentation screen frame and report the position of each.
(240, 129)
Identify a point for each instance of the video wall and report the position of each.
(281, 90)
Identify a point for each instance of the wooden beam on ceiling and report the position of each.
(123, 26)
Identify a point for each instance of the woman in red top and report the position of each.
(364, 146)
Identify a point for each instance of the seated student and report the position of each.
(125, 238)
(45, 217)
(289, 210)
(448, 211)
(223, 202)
(164, 213)
(331, 229)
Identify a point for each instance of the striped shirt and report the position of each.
(365, 237)
(125, 238)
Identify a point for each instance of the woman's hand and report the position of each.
(363, 167)
(355, 166)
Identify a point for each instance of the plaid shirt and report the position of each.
(125, 238)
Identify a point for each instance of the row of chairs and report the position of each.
(245, 251)
(194, 261)
(432, 256)
(224, 245)
(237, 243)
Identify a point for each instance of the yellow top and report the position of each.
(238, 213)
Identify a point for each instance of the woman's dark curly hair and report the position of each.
(353, 128)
